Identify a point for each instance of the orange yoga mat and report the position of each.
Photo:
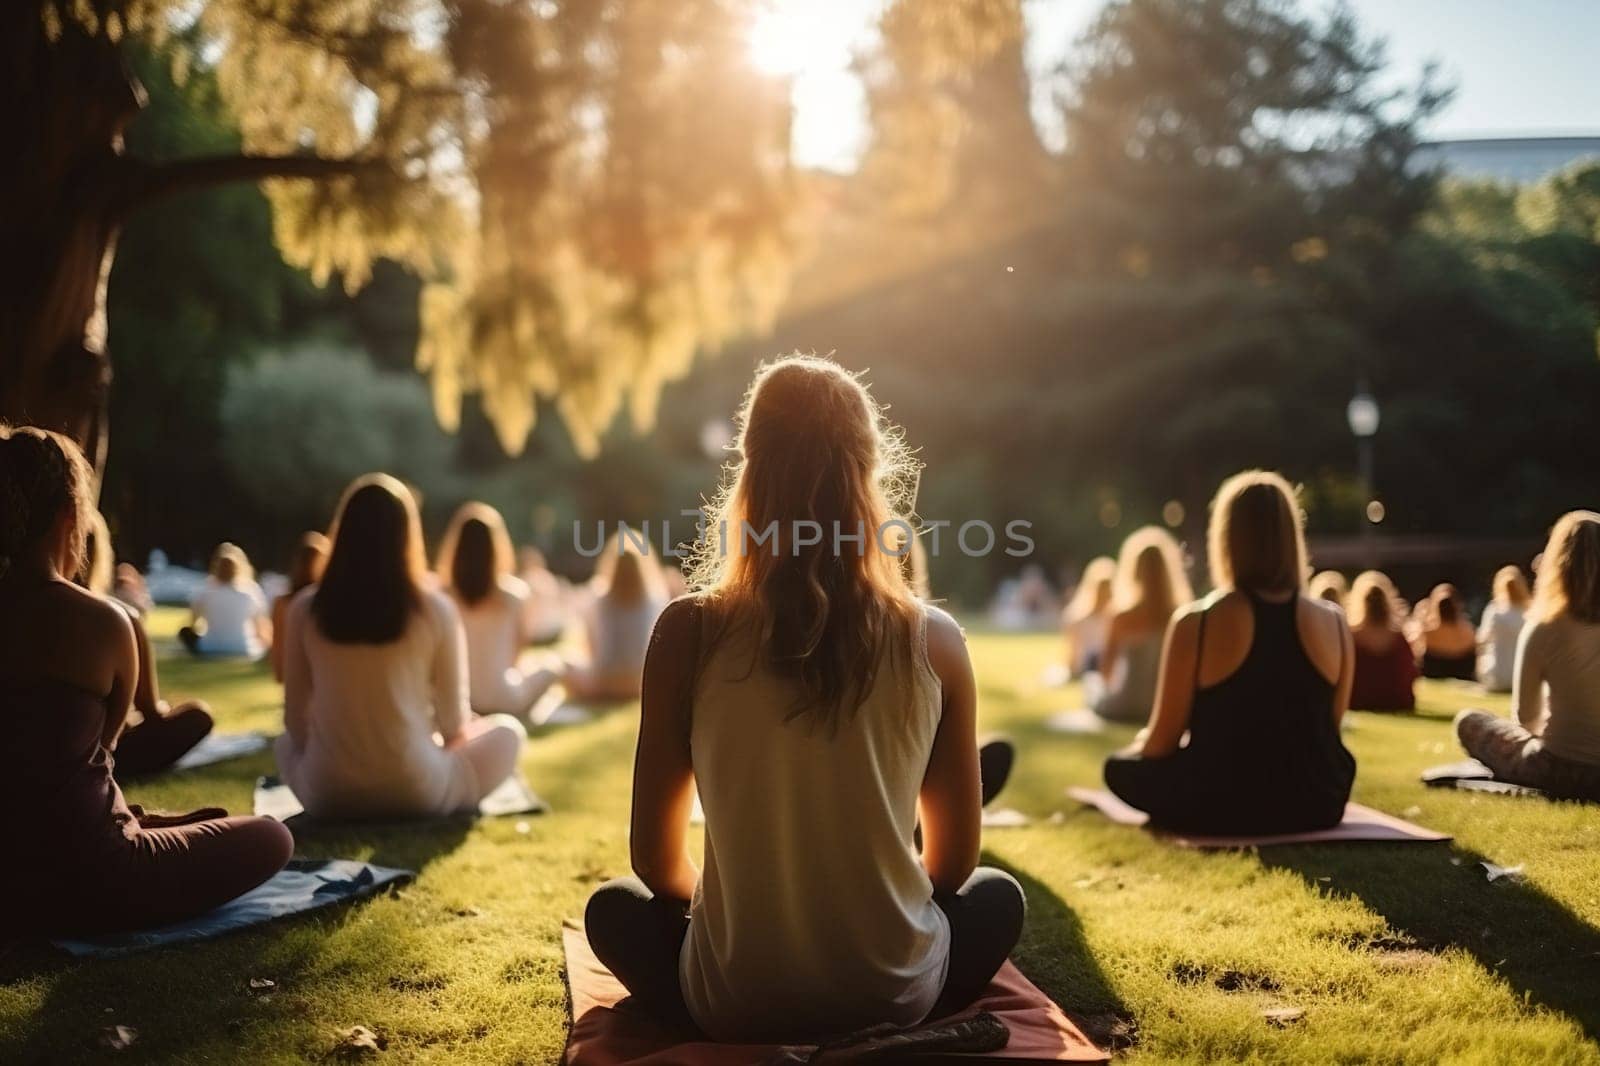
(607, 1032)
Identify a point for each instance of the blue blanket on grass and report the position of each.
(303, 885)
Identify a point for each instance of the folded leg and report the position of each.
(638, 936)
(986, 918)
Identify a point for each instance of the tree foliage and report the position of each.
(593, 190)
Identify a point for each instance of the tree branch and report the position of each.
(156, 181)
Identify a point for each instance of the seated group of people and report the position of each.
(1436, 640)
(1244, 691)
(825, 713)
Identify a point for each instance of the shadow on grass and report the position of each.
(202, 993)
(1055, 955)
(1439, 897)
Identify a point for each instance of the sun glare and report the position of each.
(792, 36)
(812, 43)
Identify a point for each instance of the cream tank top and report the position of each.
(813, 916)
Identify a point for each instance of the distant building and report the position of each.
(1518, 160)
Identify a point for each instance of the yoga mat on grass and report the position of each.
(607, 1030)
(1079, 722)
(274, 799)
(220, 747)
(304, 885)
(1360, 824)
(1470, 775)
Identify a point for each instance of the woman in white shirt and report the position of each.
(1499, 629)
(229, 611)
(820, 708)
(627, 595)
(1552, 739)
(376, 716)
(475, 569)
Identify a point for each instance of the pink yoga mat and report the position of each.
(604, 1035)
(1360, 823)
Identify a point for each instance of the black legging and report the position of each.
(639, 936)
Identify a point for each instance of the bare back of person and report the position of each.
(1230, 632)
(54, 630)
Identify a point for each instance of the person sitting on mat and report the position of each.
(305, 570)
(1552, 739)
(820, 707)
(156, 734)
(1151, 584)
(1258, 675)
(1446, 644)
(1386, 668)
(1329, 585)
(229, 610)
(627, 596)
(475, 569)
(1087, 617)
(376, 716)
(1500, 628)
(81, 861)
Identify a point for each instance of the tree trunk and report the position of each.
(63, 197)
(63, 193)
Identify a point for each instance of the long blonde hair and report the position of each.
(1095, 589)
(813, 447)
(1511, 588)
(1257, 538)
(1150, 573)
(1569, 576)
(230, 565)
(628, 573)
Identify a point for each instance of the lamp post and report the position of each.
(1363, 416)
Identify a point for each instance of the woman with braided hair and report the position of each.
(82, 860)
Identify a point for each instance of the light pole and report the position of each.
(1363, 416)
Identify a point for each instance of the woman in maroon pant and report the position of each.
(80, 859)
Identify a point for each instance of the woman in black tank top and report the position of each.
(1263, 752)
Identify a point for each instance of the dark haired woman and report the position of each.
(80, 860)
(376, 717)
(1257, 675)
(819, 706)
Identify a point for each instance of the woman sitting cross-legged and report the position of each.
(80, 861)
(1446, 643)
(1151, 585)
(1500, 629)
(376, 717)
(475, 569)
(1258, 676)
(1386, 669)
(231, 617)
(820, 708)
(1552, 739)
(627, 596)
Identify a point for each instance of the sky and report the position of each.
(1519, 66)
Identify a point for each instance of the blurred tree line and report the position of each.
(1236, 233)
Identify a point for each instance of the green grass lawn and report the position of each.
(1394, 953)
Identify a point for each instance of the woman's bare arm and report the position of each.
(1180, 660)
(125, 672)
(951, 801)
(663, 773)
